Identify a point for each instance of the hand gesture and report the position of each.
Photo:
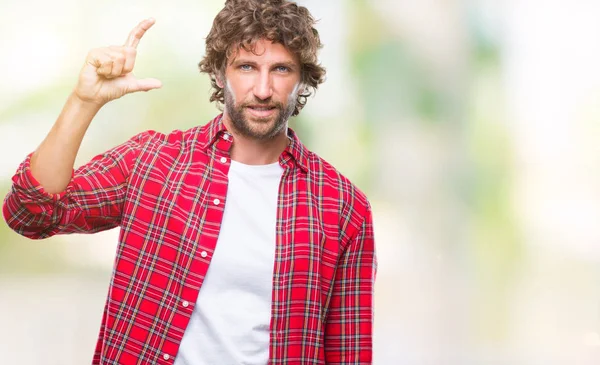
(106, 74)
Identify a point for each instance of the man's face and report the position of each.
(261, 90)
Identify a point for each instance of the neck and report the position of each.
(251, 151)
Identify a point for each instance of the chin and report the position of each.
(264, 131)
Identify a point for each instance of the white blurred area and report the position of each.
(553, 86)
(553, 94)
(431, 308)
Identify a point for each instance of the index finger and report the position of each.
(138, 32)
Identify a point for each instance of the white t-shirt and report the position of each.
(230, 323)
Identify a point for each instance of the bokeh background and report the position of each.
(472, 125)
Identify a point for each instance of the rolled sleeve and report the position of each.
(91, 202)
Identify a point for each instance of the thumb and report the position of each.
(146, 85)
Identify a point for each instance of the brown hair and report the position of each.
(241, 23)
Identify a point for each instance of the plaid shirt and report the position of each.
(167, 194)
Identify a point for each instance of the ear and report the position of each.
(219, 80)
(302, 89)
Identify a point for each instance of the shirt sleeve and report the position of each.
(349, 326)
(92, 201)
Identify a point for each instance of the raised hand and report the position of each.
(107, 72)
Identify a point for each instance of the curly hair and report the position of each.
(241, 23)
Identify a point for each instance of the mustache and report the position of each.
(263, 103)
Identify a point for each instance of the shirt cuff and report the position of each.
(30, 190)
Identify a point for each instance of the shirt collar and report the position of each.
(210, 132)
(298, 151)
(214, 129)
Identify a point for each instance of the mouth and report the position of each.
(261, 111)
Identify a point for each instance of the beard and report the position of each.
(262, 129)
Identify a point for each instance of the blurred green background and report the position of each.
(471, 125)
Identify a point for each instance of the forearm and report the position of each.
(52, 162)
(92, 200)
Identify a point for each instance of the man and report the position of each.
(237, 244)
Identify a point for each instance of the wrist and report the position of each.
(83, 103)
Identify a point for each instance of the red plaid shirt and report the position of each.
(167, 194)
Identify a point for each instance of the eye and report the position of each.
(282, 69)
(245, 67)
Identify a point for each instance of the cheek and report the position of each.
(232, 90)
(287, 89)
(237, 82)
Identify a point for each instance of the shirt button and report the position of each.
(223, 160)
(226, 137)
(203, 254)
(185, 303)
(217, 201)
(166, 356)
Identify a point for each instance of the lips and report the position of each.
(261, 107)
(261, 111)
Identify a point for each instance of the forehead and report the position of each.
(265, 51)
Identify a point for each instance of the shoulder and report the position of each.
(325, 174)
(153, 140)
(337, 191)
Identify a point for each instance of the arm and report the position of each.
(349, 327)
(52, 162)
(91, 202)
(47, 197)
(105, 76)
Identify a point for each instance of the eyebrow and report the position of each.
(290, 65)
(241, 61)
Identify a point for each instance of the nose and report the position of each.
(263, 88)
